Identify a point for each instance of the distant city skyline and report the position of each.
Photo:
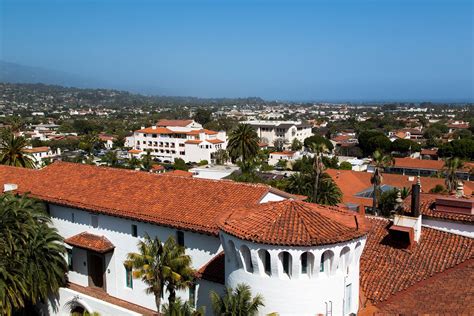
(288, 50)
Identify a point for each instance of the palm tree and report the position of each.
(236, 302)
(328, 191)
(134, 163)
(380, 162)
(451, 166)
(111, 159)
(32, 265)
(180, 308)
(147, 161)
(160, 265)
(318, 166)
(12, 151)
(221, 156)
(300, 183)
(243, 144)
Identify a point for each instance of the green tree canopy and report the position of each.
(32, 264)
(316, 140)
(461, 148)
(238, 301)
(405, 146)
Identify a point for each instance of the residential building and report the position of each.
(269, 131)
(42, 154)
(422, 167)
(303, 258)
(171, 139)
(287, 156)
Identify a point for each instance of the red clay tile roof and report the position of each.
(293, 223)
(178, 173)
(186, 203)
(205, 131)
(428, 209)
(36, 149)
(418, 163)
(180, 123)
(134, 151)
(283, 153)
(430, 152)
(91, 242)
(386, 268)
(447, 293)
(193, 141)
(103, 296)
(157, 130)
(213, 270)
(214, 141)
(352, 182)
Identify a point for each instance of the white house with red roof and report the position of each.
(303, 258)
(170, 139)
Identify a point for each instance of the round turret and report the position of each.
(302, 257)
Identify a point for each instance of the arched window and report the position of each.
(285, 259)
(326, 262)
(344, 260)
(307, 262)
(266, 262)
(232, 253)
(247, 259)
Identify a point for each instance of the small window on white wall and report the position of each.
(245, 251)
(94, 220)
(307, 262)
(73, 218)
(326, 262)
(285, 259)
(266, 261)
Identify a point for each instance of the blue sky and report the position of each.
(300, 50)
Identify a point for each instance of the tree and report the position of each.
(345, 165)
(236, 302)
(405, 146)
(461, 148)
(279, 144)
(300, 183)
(160, 265)
(318, 166)
(243, 144)
(203, 116)
(388, 200)
(12, 151)
(110, 159)
(134, 163)
(180, 308)
(380, 162)
(451, 166)
(281, 164)
(221, 156)
(462, 133)
(180, 164)
(89, 143)
(147, 161)
(318, 140)
(296, 145)
(432, 133)
(32, 265)
(328, 191)
(438, 189)
(372, 140)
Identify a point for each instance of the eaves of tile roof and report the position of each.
(185, 203)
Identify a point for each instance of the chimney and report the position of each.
(415, 200)
(8, 187)
(459, 189)
(153, 127)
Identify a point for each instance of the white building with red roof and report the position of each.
(185, 139)
(303, 258)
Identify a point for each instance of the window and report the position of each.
(94, 220)
(180, 238)
(129, 277)
(73, 218)
(248, 265)
(286, 260)
(69, 260)
(134, 230)
(321, 267)
(304, 263)
(265, 256)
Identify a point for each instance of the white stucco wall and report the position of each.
(200, 247)
(297, 294)
(91, 304)
(450, 227)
